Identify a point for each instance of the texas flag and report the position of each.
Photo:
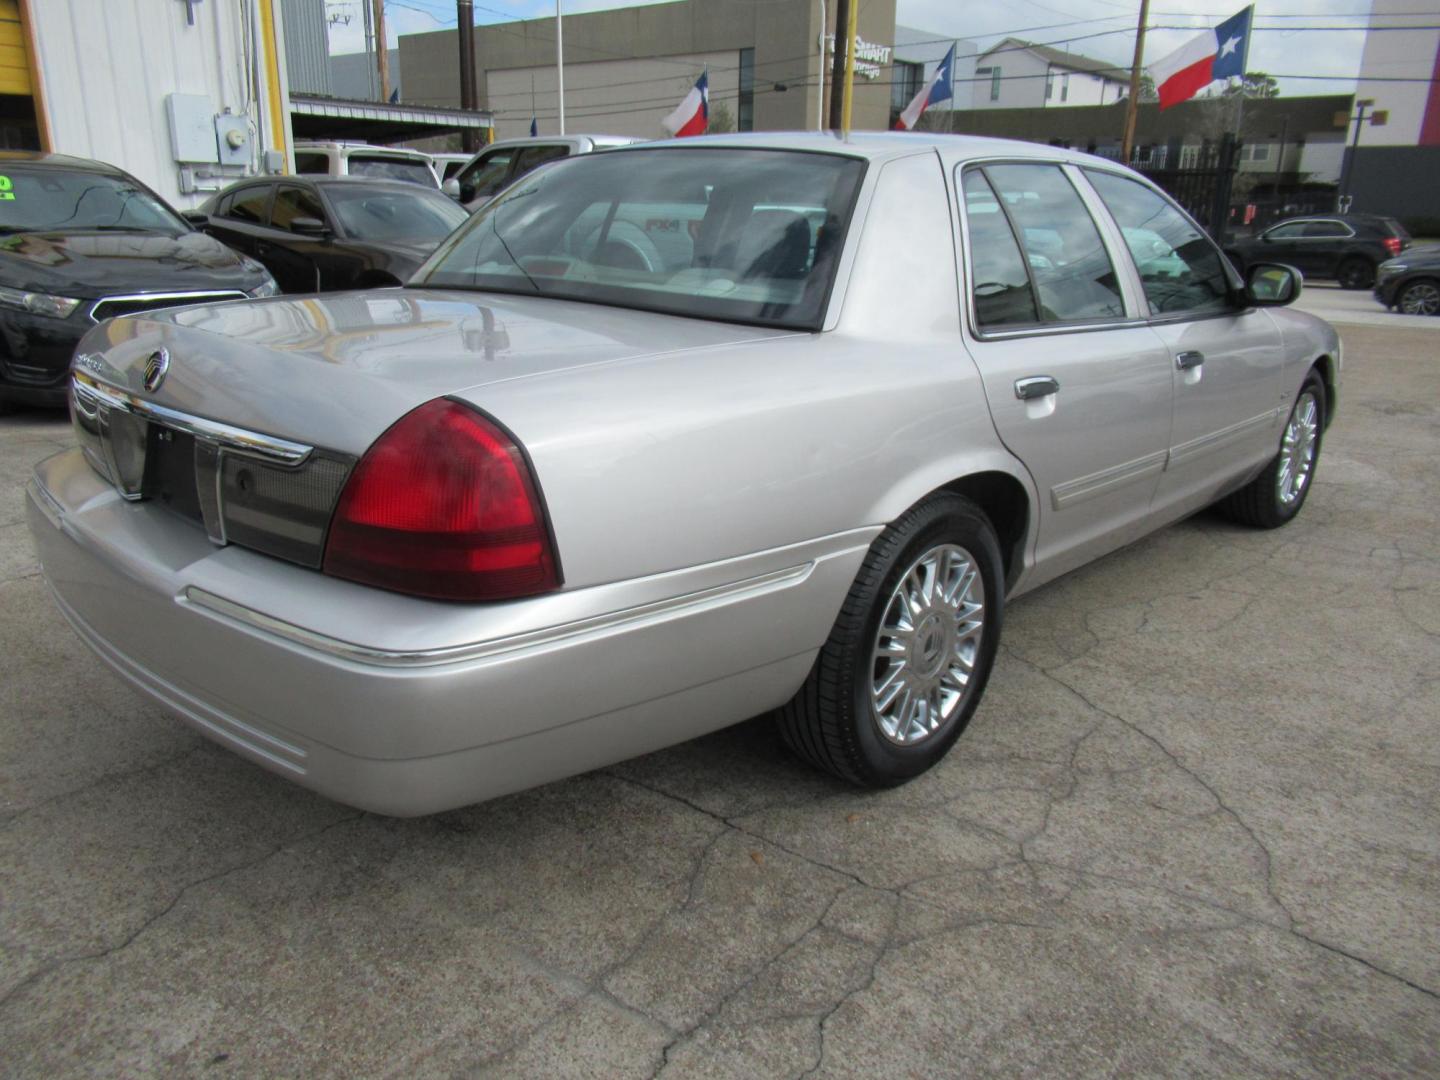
(1215, 54)
(693, 114)
(937, 89)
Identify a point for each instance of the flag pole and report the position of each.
(1132, 106)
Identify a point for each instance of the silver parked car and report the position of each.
(665, 438)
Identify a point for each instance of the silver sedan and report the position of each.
(667, 437)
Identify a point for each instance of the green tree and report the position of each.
(1256, 84)
(722, 120)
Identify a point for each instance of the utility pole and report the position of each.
(844, 12)
(465, 23)
(1132, 106)
(382, 51)
(850, 44)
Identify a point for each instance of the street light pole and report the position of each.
(1359, 120)
(560, 64)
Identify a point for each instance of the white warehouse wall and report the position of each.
(108, 66)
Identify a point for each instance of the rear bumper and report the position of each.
(404, 706)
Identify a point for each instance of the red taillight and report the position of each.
(443, 505)
(1392, 245)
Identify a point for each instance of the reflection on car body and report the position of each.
(663, 438)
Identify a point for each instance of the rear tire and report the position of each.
(909, 656)
(1355, 273)
(1420, 297)
(1275, 496)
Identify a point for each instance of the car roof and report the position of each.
(369, 148)
(59, 161)
(876, 145)
(321, 180)
(550, 140)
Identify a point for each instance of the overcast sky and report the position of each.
(1280, 45)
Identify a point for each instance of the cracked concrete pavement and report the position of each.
(1193, 830)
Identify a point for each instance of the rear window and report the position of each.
(741, 235)
(392, 168)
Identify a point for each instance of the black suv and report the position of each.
(1343, 247)
(80, 242)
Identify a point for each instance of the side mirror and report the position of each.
(197, 218)
(309, 226)
(1272, 285)
(451, 187)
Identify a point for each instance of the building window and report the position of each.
(1049, 84)
(1065, 87)
(905, 80)
(1189, 157)
(745, 107)
(994, 73)
(1256, 152)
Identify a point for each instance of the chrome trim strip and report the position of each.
(1187, 451)
(181, 299)
(233, 439)
(626, 619)
(1087, 487)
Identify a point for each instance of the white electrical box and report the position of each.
(192, 127)
(232, 138)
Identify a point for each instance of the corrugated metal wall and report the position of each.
(108, 67)
(307, 46)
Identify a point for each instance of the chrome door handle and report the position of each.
(1186, 360)
(1035, 386)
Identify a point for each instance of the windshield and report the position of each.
(742, 235)
(372, 213)
(36, 200)
(392, 168)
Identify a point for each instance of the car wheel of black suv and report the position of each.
(907, 660)
(1356, 273)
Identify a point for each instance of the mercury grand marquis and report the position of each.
(668, 437)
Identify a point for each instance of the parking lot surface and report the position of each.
(1194, 830)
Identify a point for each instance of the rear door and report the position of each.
(1321, 247)
(1225, 360)
(1079, 387)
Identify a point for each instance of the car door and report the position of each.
(298, 260)
(240, 223)
(1078, 385)
(486, 175)
(1278, 244)
(1324, 243)
(1225, 358)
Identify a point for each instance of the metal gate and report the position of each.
(1203, 185)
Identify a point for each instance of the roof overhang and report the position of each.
(315, 117)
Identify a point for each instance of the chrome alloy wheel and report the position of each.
(1421, 298)
(1297, 449)
(928, 644)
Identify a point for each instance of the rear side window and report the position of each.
(534, 156)
(1326, 229)
(250, 205)
(1288, 231)
(1182, 271)
(412, 170)
(1000, 286)
(1073, 277)
(312, 164)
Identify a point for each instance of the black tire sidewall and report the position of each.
(945, 520)
(1284, 513)
(1364, 268)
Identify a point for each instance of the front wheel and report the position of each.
(908, 658)
(1277, 494)
(1420, 298)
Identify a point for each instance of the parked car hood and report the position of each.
(91, 264)
(336, 369)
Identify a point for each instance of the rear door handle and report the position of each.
(1036, 386)
(1186, 360)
